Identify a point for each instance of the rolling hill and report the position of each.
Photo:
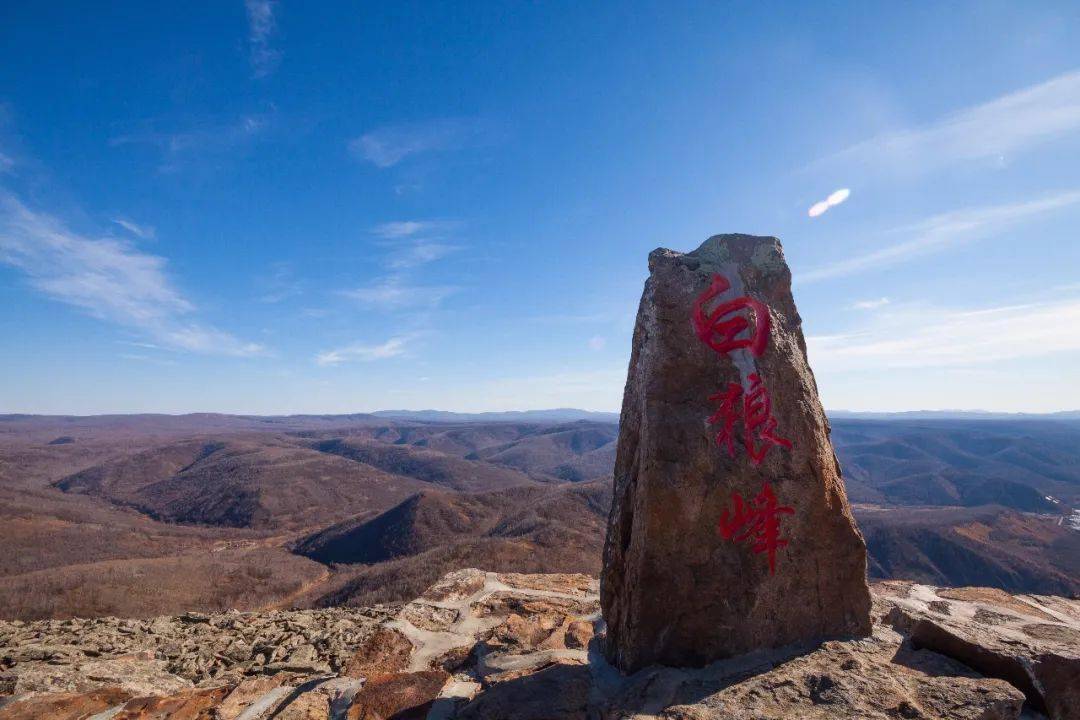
(1028, 465)
(514, 530)
(368, 508)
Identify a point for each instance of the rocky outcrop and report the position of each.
(496, 646)
(1032, 641)
(730, 530)
(429, 656)
(171, 653)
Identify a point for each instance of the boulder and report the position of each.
(384, 651)
(253, 695)
(197, 704)
(398, 695)
(730, 530)
(312, 705)
(64, 706)
(1030, 640)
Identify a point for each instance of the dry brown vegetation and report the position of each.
(988, 546)
(141, 515)
(153, 514)
(554, 529)
(245, 580)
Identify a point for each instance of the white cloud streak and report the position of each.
(261, 24)
(208, 138)
(420, 253)
(145, 232)
(935, 337)
(941, 231)
(416, 242)
(870, 304)
(407, 228)
(394, 347)
(387, 146)
(1006, 125)
(393, 293)
(107, 279)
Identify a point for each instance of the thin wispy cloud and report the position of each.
(6, 163)
(208, 138)
(870, 304)
(395, 293)
(416, 242)
(280, 284)
(409, 228)
(421, 252)
(145, 232)
(261, 25)
(1001, 127)
(942, 231)
(394, 347)
(942, 337)
(387, 146)
(107, 279)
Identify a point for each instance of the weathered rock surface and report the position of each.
(195, 704)
(1032, 641)
(499, 646)
(876, 678)
(65, 706)
(394, 695)
(720, 405)
(167, 654)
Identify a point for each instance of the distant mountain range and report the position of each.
(555, 415)
(953, 415)
(206, 421)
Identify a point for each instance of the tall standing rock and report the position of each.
(730, 530)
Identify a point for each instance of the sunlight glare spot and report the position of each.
(833, 200)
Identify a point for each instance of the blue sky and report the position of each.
(276, 207)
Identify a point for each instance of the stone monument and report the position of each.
(730, 530)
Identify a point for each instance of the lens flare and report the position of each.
(833, 200)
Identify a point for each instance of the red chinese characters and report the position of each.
(720, 328)
(743, 323)
(758, 523)
(754, 409)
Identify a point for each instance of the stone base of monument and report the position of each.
(878, 677)
(730, 531)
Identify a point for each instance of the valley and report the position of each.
(148, 515)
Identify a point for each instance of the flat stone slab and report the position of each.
(1033, 641)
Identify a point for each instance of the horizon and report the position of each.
(267, 208)
(568, 410)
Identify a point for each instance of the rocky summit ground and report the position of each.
(488, 645)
